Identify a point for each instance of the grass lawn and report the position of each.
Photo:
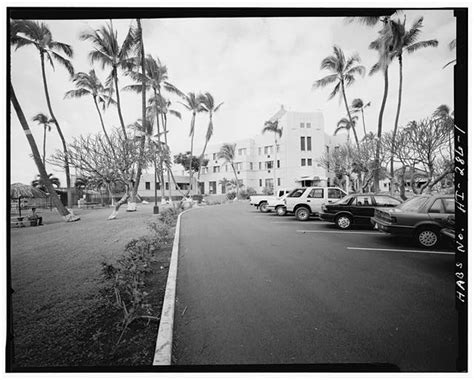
(60, 315)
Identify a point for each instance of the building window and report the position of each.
(260, 151)
(268, 164)
(278, 182)
(212, 187)
(278, 148)
(158, 185)
(278, 164)
(310, 162)
(242, 151)
(269, 182)
(216, 169)
(259, 166)
(251, 165)
(302, 143)
(147, 185)
(238, 165)
(308, 143)
(223, 188)
(308, 125)
(167, 186)
(303, 162)
(214, 156)
(301, 125)
(268, 149)
(260, 182)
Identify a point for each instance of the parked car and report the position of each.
(422, 218)
(355, 209)
(449, 230)
(307, 201)
(278, 205)
(261, 201)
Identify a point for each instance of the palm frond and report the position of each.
(77, 93)
(65, 48)
(335, 91)
(64, 62)
(323, 82)
(421, 44)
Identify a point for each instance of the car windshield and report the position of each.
(413, 205)
(343, 201)
(296, 193)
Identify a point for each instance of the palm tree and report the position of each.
(41, 184)
(452, 46)
(37, 34)
(227, 153)
(358, 105)
(192, 102)
(343, 74)
(272, 126)
(44, 121)
(90, 85)
(109, 53)
(404, 41)
(209, 105)
(345, 124)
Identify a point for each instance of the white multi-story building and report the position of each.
(302, 144)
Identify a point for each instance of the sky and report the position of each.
(253, 65)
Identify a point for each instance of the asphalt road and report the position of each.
(256, 288)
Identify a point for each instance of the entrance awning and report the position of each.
(310, 178)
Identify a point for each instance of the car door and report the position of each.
(362, 209)
(315, 199)
(438, 212)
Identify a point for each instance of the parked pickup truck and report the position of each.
(261, 201)
(307, 201)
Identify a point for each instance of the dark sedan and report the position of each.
(421, 217)
(355, 209)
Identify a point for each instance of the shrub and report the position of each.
(168, 216)
(267, 190)
(230, 195)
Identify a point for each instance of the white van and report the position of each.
(307, 201)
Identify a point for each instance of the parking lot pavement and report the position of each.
(252, 291)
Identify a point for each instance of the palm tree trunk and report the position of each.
(379, 131)
(103, 125)
(236, 180)
(66, 159)
(63, 211)
(159, 141)
(274, 167)
(144, 120)
(44, 147)
(193, 120)
(363, 121)
(119, 108)
(349, 115)
(399, 105)
(202, 154)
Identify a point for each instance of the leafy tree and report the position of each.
(343, 74)
(227, 153)
(109, 53)
(45, 122)
(272, 127)
(209, 105)
(404, 40)
(184, 159)
(358, 105)
(37, 34)
(90, 85)
(192, 102)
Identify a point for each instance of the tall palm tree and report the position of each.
(343, 74)
(384, 46)
(90, 85)
(227, 153)
(109, 53)
(192, 102)
(272, 127)
(358, 105)
(209, 105)
(41, 184)
(345, 124)
(404, 41)
(45, 122)
(37, 34)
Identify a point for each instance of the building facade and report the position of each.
(302, 144)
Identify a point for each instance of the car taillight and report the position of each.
(393, 219)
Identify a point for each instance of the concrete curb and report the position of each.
(164, 340)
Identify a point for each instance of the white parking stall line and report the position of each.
(298, 221)
(338, 232)
(400, 250)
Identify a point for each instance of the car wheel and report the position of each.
(427, 237)
(281, 210)
(263, 207)
(344, 222)
(302, 213)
